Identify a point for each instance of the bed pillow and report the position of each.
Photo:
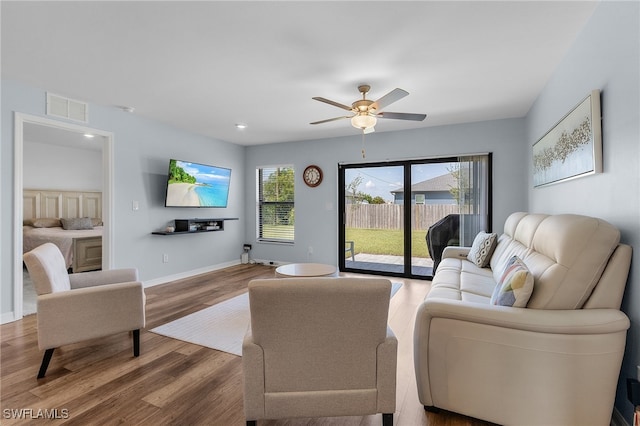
(483, 246)
(96, 221)
(76, 223)
(515, 285)
(47, 222)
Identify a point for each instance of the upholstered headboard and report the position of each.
(41, 203)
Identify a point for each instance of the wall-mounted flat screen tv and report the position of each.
(197, 185)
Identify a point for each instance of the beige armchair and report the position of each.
(77, 307)
(319, 347)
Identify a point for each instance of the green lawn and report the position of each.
(386, 241)
(370, 241)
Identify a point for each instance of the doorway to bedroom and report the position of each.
(61, 170)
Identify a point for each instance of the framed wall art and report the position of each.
(573, 147)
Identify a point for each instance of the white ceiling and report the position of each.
(39, 133)
(206, 65)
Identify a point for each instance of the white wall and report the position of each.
(605, 56)
(47, 166)
(316, 208)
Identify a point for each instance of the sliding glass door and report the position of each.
(373, 223)
(397, 217)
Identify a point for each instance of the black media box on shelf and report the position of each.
(199, 225)
(182, 225)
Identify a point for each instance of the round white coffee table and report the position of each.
(306, 270)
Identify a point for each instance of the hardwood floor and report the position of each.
(174, 382)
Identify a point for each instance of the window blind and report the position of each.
(276, 204)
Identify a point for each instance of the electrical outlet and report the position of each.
(310, 251)
(165, 258)
(246, 247)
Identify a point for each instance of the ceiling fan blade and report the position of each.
(330, 102)
(402, 116)
(331, 119)
(394, 95)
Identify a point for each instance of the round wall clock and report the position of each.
(312, 176)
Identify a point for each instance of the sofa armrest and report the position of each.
(253, 377)
(500, 327)
(575, 321)
(387, 354)
(76, 315)
(96, 278)
(455, 252)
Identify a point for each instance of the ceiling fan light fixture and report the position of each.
(363, 121)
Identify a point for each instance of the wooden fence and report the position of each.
(391, 216)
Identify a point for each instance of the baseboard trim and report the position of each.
(187, 274)
(617, 419)
(268, 262)
(7, 317)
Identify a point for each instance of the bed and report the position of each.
(72, 220)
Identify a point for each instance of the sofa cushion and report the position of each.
(566, 254)
(515, 285)
(483, 246)
(459, 279)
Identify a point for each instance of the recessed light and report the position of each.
(89, 136)
(241, 126)
(127, 109)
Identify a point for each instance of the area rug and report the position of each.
(221, 327)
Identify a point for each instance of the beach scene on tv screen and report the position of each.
(197, 185)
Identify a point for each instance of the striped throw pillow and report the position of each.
(482, 248)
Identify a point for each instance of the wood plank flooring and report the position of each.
(174, 382)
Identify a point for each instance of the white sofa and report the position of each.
(555, 361)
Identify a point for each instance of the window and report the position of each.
(276, 212)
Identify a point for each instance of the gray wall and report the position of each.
(316, 208)
(605, 56)
(142, 149)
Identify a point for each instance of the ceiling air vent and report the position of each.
(60, 106)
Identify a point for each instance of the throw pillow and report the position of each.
(76, 223)
(515, 285)
(47, 222)
(482, 248)
(96, 221)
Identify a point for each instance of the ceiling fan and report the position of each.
(366, 112)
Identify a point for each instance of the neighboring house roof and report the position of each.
(438, 183)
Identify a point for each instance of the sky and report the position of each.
(380, 181)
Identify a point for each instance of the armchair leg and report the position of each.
(136, 342)
(251, 423)
(387, 419)
(431, 409)
(45, 362)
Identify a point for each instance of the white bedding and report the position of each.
(34, 237)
